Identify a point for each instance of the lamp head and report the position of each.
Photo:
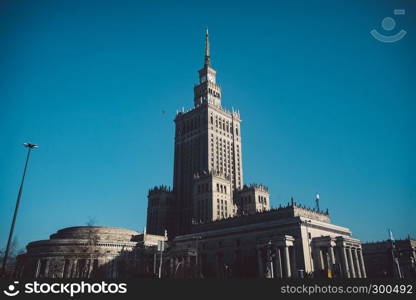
(30, 145)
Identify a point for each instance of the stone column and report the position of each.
(76, 268)
(287, 262)
(260, 264)
(351, 262)
(293, 262)
(361, 259)
(279, 273)
(37, 268)
(344, 261)
(357, 263)
(69, 270)
(316, 259)
(154, 263)
(188, 261)
(46, 274)
(188, 265)
(323, 258)
(171, 267)
(331, 256)
(331, 260)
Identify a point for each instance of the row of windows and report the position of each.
(203, 188)
(262, 199)
(214, 93)
(245, 200)
(189, 125)
(221, 188)
(202, 210)
(225, 156)
(223, 124)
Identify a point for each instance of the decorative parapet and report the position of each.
(253, 186)
(159, 189)
(291, 210)
(183, 111)
(311, 214)
(212, 173)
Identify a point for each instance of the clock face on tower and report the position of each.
(211, 78)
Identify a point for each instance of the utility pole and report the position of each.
(29, 147)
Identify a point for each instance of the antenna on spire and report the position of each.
(207, 60)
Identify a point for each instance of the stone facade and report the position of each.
(252, 199)
(380, 257)
(303, 242)
(159, 210)
(89, 252)
(212, 197)
(220, 227)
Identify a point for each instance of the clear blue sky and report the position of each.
(326, 108)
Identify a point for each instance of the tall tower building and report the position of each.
(207, 143)
(208, 169)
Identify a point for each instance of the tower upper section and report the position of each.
(207, 90)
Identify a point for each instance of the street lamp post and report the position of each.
(270, 260)
(198, 269)
(29, 147)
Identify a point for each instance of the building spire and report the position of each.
(207, 61)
